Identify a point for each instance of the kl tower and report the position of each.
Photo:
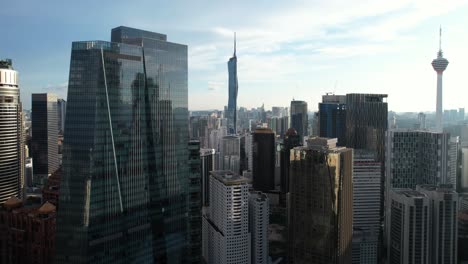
(439, 65)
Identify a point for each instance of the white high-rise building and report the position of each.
(259, 213)
(409, 229)
(226, 237)
(444, 223)
(229, 153)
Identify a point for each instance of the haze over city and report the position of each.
(285, 49)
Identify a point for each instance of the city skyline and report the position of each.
(375, 47)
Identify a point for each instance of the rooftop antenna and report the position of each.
(234, 44)
(440, 38)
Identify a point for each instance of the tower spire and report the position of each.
(234, 44)
(440, 38)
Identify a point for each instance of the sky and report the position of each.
(286, 49)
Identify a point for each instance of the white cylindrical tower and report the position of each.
(439, 64)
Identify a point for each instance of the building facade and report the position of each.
(291, 140)
(259, 219)
(332, 118)
(195, 203)
(263, 159)
(27, 233)
(230, 153)
(208, 161)
(11, 133)
(125, 182)
(299, 118)
(321, 201)
(44, 143)
(226, 236)
(444, 225)
(409, 239)
(61, 113)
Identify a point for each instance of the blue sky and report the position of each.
(285, 49)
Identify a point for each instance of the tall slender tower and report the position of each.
(233, 87)
(439, 65)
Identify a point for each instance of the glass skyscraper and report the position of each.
(124, 193)
(299, 118)
(44, 144)
(233, 88)
(332, 118)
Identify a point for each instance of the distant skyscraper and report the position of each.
(439, 64)
(263, 159)
(226, 236)
(444, 228)
(410, 229)
(231, 114)
(290, 141)
(332, 118)
(321, 203)
(422, 120)
(44, 143)
(259, 214)
(125, 186)
(299, 118)
(61, 112)
(208, 162)
(11, 133)
(229, 153)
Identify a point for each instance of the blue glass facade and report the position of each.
(124, 195)
(333, 121)
(231, 114)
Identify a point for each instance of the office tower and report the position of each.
(44, 144)
(439, 65)
(226, 236)
(418, 157)
(444, 229)
(332, 117)
(366, 205)
(248, 150)
(28, 173)
(195, 203)
(215, 137)
(366, 122)
(27, 232)
(208, 162)
(299, 118)
(453, 162)
(61, 112)
(409, 239)
(125, 182)
(462, 236)
(263, 159)
(461, 114)
(290, 141)
(464, 170)
(229, 153)
(231, 113)
(422, 120)
(365, 247)
(11, 133)
(259, 214)
(321, 203)
(278, 111)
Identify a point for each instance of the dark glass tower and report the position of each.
(332, 118)
(195, 203)
(44, 143)
(299, 118)
(290, 141)
(11, 133)
(231, 114)
(263, 158)
(321, 203)
(366, 122)
(124, 194)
